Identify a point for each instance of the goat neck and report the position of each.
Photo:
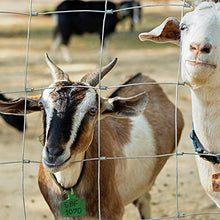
(69, 176)
(206, 118)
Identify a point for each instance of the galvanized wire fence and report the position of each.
(100, 87)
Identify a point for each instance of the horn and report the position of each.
(93, 78)
(57, 73)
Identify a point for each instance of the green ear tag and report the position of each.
(72, 206)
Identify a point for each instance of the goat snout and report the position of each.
(204, 48)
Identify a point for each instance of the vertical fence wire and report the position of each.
(176, 125)
(25, 107)
(100, 158)
(99, 113)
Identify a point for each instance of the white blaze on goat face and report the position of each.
(48, 107)
(90, 101)
(201, 45)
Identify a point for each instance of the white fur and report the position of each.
(136, 167)
(82, 109)
(201, 72)
(204, 27)
(206, 118)
(48, 106)
(69, 176)
(196, 2)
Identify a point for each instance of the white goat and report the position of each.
(199, 33)
(70, 114)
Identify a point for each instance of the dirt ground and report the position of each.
(161, 63)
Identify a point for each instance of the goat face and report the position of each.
(200, 45)
(70, 112)
(200, 42)
(69, 116)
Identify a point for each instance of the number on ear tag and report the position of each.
(72, 206)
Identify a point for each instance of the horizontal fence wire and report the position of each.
(179, 153)
(100, 87)
(107, 11)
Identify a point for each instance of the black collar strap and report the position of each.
(199, 148)
(73, 187)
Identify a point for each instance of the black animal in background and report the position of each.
(13, 120)
(90, 22)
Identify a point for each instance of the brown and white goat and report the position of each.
(128, 128)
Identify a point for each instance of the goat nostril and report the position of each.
(206, 48)
(193, 47)
(54, 151)
(201, 48)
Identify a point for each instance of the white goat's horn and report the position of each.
(93, 78)
(57, 73)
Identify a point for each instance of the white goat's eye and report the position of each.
(183, 27)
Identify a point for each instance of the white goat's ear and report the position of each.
(124, 107)
(168, 31)
(57, 73)
(16, 107)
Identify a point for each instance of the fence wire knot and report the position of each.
(102, 158)
(34, 13)
(29, 89)
(186, 5)
(180, 153)
(182, 83)
(103, 87)
(181, 215)
(110, 11)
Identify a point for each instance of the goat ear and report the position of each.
(168, 31)
(57, 73)
(16, 107)
(124, 107)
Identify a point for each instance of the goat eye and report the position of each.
(183, 27)
(40, 104)
(92, 111)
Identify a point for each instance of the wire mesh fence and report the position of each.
(26, 91)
